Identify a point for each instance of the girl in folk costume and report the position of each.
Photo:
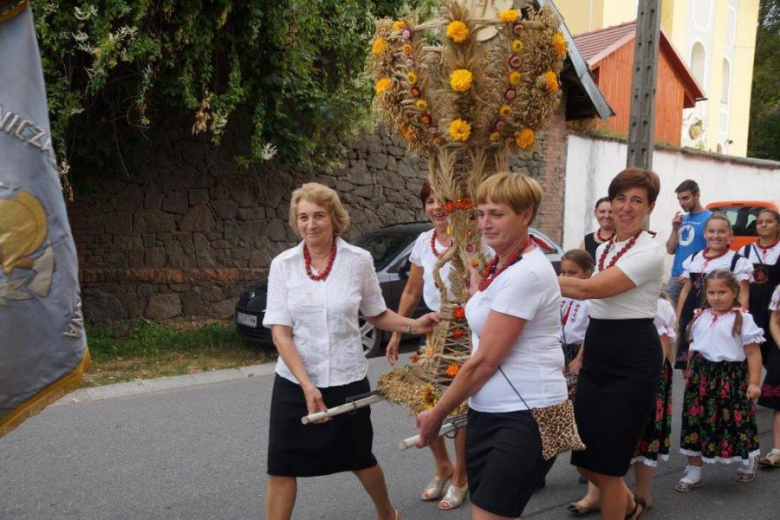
(655, 441)
(717, 255)
(765, 257)
(719, 417)
(574, 315)
(770, 390)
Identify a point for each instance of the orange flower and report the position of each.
(407, 133)
(474, 263)
(383, 85)
(464, 204)
(415, 358)
(457, 31)
(460, 130)
(552, 81)
(453, 370)
(461, 79)
(525, 139)
(449, 206)
(510, 15)
(459, 313)
(559, 45)
(458, 333)
(398, 25)
(379, 47)
(407, 48)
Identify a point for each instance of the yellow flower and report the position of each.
(517, 45)
(525, 139)
(412, 77)
(407, 48)
(457, 31)
(382, 85)
(505, 110)
(428, 394)
(514, 78)
(429, 353)
(552, 81)
(559, 45)
(398, 25)
(510, 15)
(460, 130)
(379, 47)
(422, 104)
(494, 136)
(460, 80)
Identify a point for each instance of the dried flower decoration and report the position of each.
(383, 85)
(457, 31)
(559, 45)
(525, 139)
(510, 15)
(379, 47)
(461, 80)
(460, 130)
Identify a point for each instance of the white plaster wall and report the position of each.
(592, 163)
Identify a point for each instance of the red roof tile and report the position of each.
(592, 43)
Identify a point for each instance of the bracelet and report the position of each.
(409, 327)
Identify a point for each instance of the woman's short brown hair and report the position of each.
(636, 178)
(322, 196)
(518, 191)
(425, 192)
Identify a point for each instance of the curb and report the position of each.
(145, 386)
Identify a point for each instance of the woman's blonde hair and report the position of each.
(324, 197)
(719, 215)
(518, 191)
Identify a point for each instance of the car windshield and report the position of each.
(383, 246)
(742, 219)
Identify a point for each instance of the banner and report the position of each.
(43, 350)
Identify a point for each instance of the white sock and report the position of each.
(747, 466)
(692, 475)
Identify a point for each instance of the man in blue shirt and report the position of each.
(687, 235)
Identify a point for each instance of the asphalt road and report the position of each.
(199, 452)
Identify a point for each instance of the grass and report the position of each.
(144, 350)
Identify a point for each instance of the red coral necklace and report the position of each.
(620, 253)
(765, 249)
(708, 258)
(307, 260)
(601, 238)
(492, 270)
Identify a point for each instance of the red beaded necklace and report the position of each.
(601, 238)
(620, 253)
(765, 249)
(492, 270)
(708, 258)
(307, 260)
(433, 245)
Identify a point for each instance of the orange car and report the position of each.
(742, 215)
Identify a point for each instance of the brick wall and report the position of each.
(180, 239)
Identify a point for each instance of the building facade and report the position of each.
(717, 39)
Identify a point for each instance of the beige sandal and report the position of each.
(684, 487)
(454, 498)
(772, 459)
(435, 488)
(746, 477)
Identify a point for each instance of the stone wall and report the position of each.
(180, 239)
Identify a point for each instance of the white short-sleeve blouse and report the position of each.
(711, 336)
(574, 320)
(644, 265)
(696, 263)
(324, 314)
(527, 290)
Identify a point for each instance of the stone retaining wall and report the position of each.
(184, 236)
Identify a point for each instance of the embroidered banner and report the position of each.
(43, 350)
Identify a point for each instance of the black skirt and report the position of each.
(341, 444)
(504, 462)
(616, 390)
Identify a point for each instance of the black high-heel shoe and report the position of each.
(638, 502)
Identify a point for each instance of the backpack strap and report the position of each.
(734, 261)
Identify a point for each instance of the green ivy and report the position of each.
(295, 67)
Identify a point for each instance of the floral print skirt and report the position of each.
(718, 420)
(655, 441)
(770, 390)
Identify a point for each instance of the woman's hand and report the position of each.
(425, 323)
(575, 365)
(428, 424)
(314, 402)
(475, 278)
(391, 351)
(753, 391)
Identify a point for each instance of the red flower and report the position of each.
(449, 206)
(415, 358)
(459, 313)
(737, 416)
(464, 204)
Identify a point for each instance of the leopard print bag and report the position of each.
(557, 427)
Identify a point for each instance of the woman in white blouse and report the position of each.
(315, 291)
(516, 360)
(622, 360)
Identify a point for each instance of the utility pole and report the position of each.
(641, 127)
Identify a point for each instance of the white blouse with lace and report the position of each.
(713, 339)
(324, 314)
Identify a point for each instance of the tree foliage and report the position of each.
(292, 67)
(764, 140)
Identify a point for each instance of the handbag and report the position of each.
(557, 427)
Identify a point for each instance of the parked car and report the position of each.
(742, 214)
(390, 246)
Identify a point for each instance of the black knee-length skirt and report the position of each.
(342, 444)
(616, 390)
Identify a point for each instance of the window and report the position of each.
(725, 82)
(698, 62)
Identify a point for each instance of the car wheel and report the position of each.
(371, 337)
